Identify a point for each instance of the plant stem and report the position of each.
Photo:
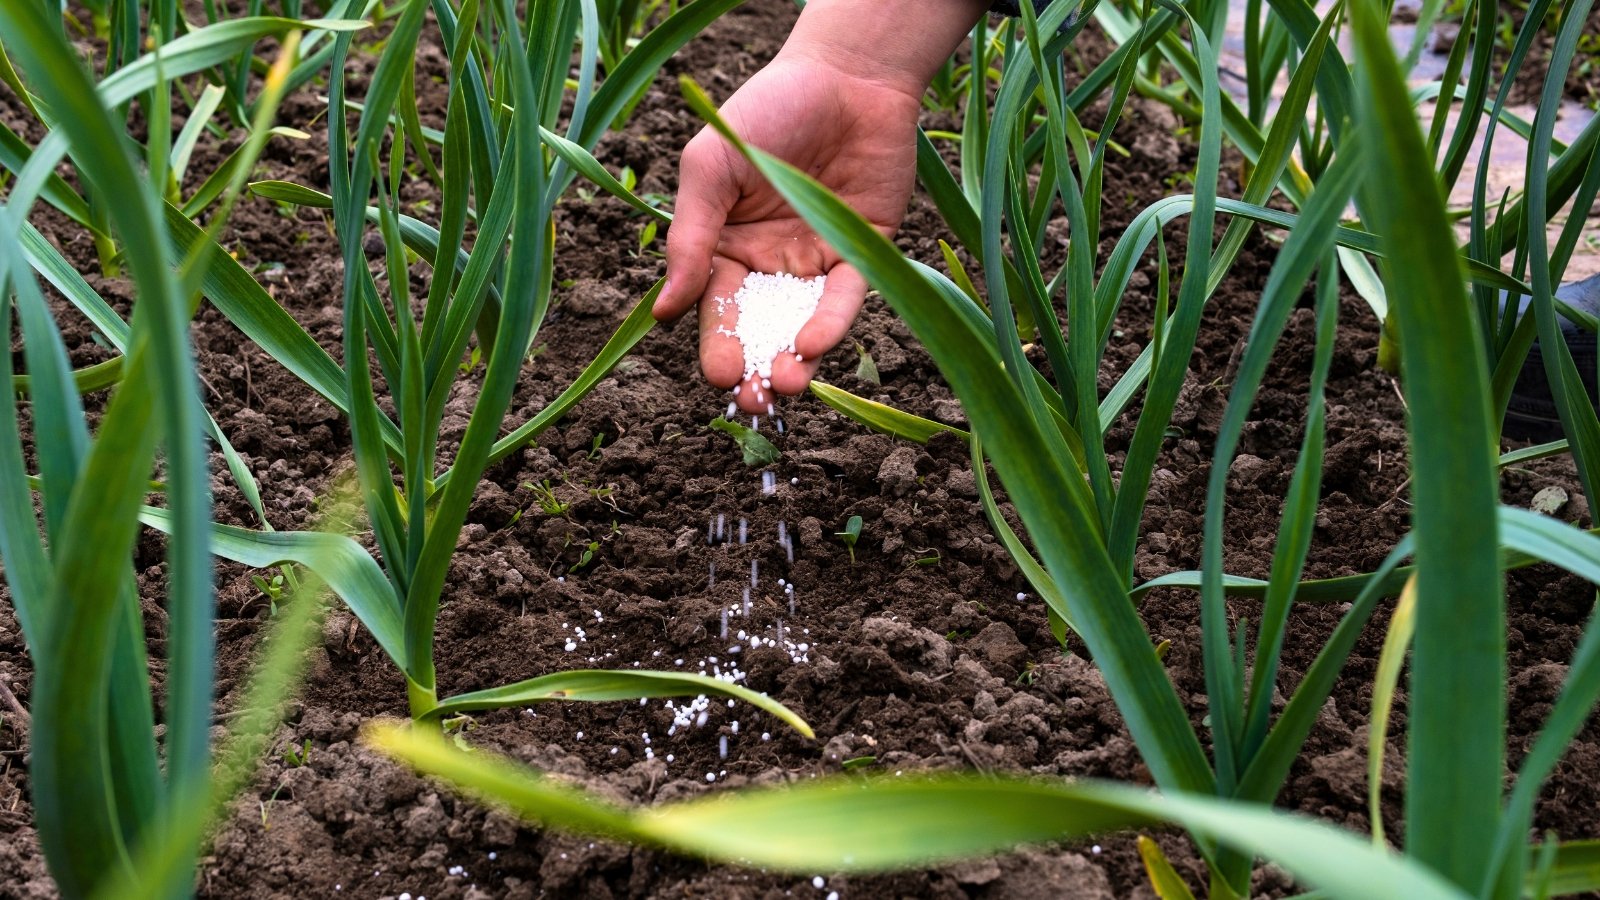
(423, 700)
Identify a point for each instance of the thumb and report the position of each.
(707, 190)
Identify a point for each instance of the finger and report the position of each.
(707, 190)
(754, 396)
(721, 354)
(791, 375)
(842, 296)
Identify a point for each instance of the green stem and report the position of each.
(423, 700)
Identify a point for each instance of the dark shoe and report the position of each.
(1532, 414)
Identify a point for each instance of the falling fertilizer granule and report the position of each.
(772, 309)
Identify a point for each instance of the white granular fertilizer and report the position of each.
(772, 310)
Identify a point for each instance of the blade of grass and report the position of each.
(627, 336)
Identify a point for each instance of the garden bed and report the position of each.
(920, 653)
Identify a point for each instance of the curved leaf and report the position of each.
(881, 417)
(600, 686)
(347, 569)
(864, 825)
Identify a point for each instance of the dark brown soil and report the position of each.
(920, 654)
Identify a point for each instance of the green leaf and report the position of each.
(1037, 577)
(347, 569)
(1396, 643)
(758, 451)
(856, 824)
(601, 686)
(1576, 869)
(1166, 881)
(866, 369)
(590, 168)
(881, 418)
(1456, 726)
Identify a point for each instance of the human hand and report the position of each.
(858, 139)
(853, 130)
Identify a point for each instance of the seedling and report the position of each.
(266, 807)
(298, 756)
(866, 368)
(758, 451)
(850, 534)
(647, 235)
(456, 728)
(272, 590)
(545, 496)
(586, 557)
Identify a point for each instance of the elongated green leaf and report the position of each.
(526, 298)
(1577, 552)
(590, 168)
(217, 181)
(1300, 512)
(601, 686)
(21, 547)
(849, 824)
(879, 417)
(627, 336)
(1224, 687)
(70, 725)
(640, 66)
(197, 50)
(1576, 869)
(347, 569)
(15, 155)
(95, 377)
(183, 147)
(1456, 727)
(277, 672)
(1041, 581)
(1396, 643)
(550, 801)
(1577, 414)
(1166, 881)
(1307, 247)
(1270, 765)
(248, 306)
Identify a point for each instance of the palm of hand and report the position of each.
(854, 136)
(856, 141)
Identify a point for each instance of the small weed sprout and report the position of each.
(850, 534)
(273, 590)
(586, 557)
(297, 756)
(545, 495)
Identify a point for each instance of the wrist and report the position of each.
(898, 43)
